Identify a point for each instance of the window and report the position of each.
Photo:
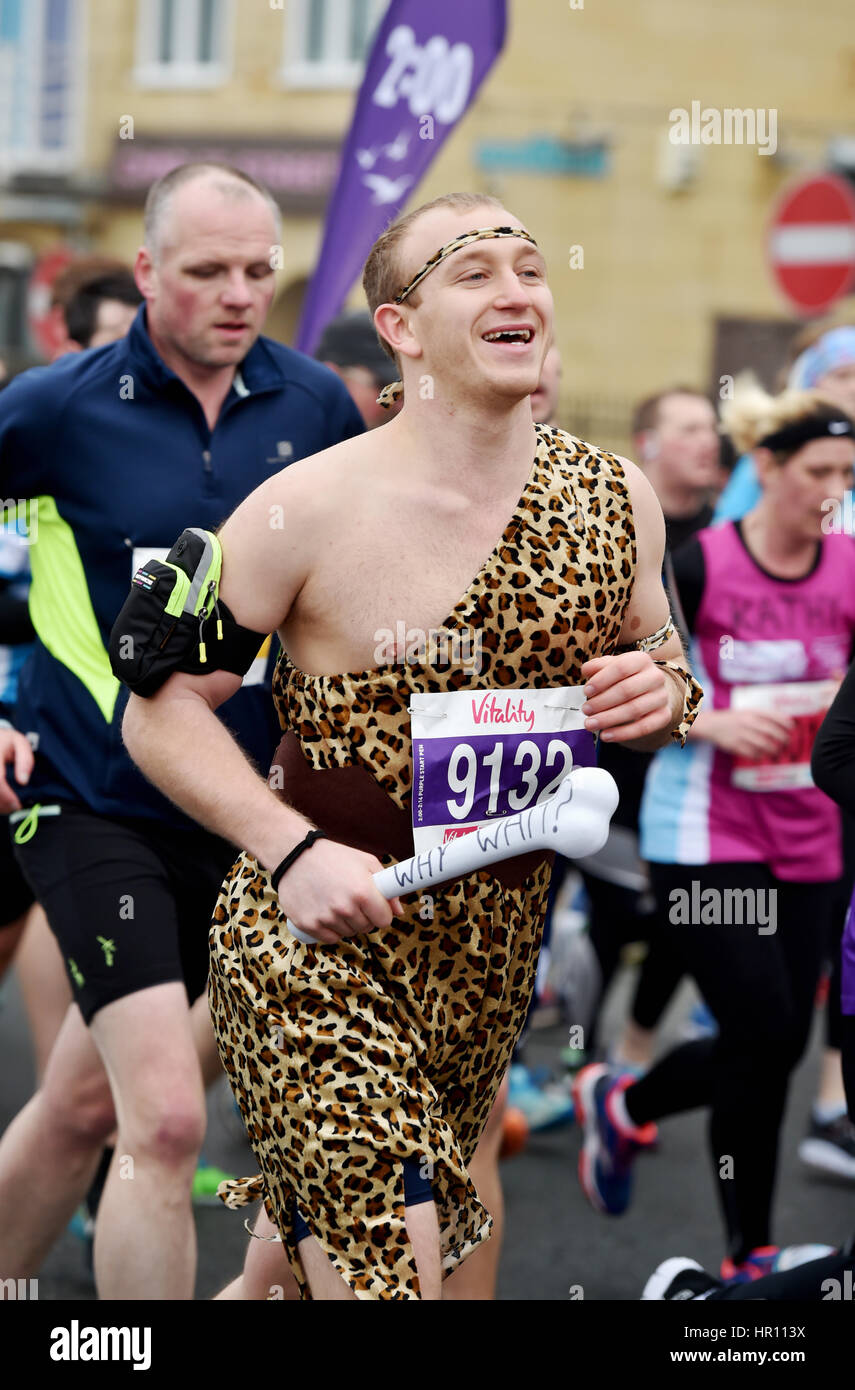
(40, 63)
(16, 262)
(183, 43)
(327, 41)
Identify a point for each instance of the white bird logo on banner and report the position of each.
(386, 190)
(397, 149)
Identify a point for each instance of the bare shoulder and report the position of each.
(645, 503)
(304, 486)
(635, 478)
(333, 465)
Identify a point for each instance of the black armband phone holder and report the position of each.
(174, 620)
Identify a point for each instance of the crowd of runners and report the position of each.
(200, 747)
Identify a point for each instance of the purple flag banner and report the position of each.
(426, 65)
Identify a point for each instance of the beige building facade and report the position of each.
(657, 249)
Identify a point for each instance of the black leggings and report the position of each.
(761, 988)
(615, 920)
(833, 1017)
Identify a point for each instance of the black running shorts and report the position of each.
(15, 893)
(130, 901)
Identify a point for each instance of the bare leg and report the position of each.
(204, 1040)
(234, 1290)
(636, 1045)
(50, 1151)
(423, 1229)
(43, 983)
(146, 1041)
(476, 1278)
(205, 1045)
(266, 1270)
(10, 936)
(830, 1090)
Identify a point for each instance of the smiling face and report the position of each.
(209, 282)
(481, 321)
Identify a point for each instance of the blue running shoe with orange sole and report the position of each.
(756, 1265)
(771, 1259)
(609, 1148)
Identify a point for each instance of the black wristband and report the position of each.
(295, 854)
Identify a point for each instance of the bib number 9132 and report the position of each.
(501, 779)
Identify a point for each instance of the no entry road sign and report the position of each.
(811, 242)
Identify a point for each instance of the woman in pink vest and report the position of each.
(744, 850)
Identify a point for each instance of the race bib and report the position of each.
(483, 754)
(806, 703)
(780, 660)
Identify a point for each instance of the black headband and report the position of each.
(802, 431)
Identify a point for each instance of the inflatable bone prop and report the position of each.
(573, 822)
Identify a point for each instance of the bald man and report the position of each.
(124, 446)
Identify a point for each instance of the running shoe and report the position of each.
(206, 1180)
(756, 1265)
(830, 1148)
(81, 1224)
(619, 1067)
(573, 1058)
(679, 1280)
(772, 1259)
(605, 1163)
(82, 1227)
(793, 1255)
(515, 1132)
(699, 1024)
(545, 1106)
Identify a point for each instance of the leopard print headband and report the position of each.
(394, 391)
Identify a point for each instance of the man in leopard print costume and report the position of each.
(366, 1065)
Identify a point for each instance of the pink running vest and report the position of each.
(764, 643)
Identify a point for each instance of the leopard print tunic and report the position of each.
(346, 1059)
